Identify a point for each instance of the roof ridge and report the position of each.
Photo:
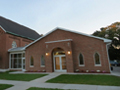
(16, 23)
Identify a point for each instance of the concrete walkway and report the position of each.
(40, 82)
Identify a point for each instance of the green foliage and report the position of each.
(87, 79)
(111, 32)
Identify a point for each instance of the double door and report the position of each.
(60, 63)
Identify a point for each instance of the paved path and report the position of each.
(40, 82)
(116, 69)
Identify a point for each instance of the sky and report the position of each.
(84, 16)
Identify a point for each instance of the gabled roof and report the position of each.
(16, 29)
(105, 40)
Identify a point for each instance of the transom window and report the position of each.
(42, 61)
(59, 53)
(97, 59)
(14, 45)
(31, 61)
(81, 60)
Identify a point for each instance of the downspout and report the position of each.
(108, 56)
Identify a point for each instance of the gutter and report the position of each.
(19, 35)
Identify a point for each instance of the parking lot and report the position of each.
(116, 68)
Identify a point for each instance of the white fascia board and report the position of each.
(105, 40)
(59, 41)
(22, 49)
(2, 28)
(40, 38)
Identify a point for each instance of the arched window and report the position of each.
(31, 61)
(14, 45)
(97, 59)
(81, 60)
(42, 61)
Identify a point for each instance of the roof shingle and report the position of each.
(17, 29)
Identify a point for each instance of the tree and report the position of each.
(111, 32)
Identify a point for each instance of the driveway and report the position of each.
(116, 69)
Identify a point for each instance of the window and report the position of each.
(81, 60)
(42, 61)
(97, 59)
(31, 61)
(14, 45)
(16, 60)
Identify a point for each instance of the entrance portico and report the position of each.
(59, 56)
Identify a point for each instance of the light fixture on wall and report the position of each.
(68, 52)
(46, 54)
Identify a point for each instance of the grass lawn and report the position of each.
(87, 79)
(5, 86)
(20, 77)
(35, 88)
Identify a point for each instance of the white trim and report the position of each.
(31, 66)
(108, 56)
(10, 61)
(40, 61)
(95, 61)
(81, 65)
(22, 50)
(42, 66)
(16, 68)
(59, 41)
(105, 40)
(30, 62)
(17, 52)
(23, 58)
(2, 28)
(17, 59)
(60, 63)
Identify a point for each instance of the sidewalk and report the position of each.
(40, 82)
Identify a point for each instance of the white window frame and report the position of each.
(95, 60)
(30, 62)
(41, 60)
(82, 65)
(12, 58)
(14, 45)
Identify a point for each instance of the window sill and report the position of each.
(97, 64)
(31, 66)
(81, 65)
(42, 65)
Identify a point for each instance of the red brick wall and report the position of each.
(6, 44)
(2, 48)
(80, 44)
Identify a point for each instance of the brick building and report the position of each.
(60, 50)
(13, 36)
(68, 51)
